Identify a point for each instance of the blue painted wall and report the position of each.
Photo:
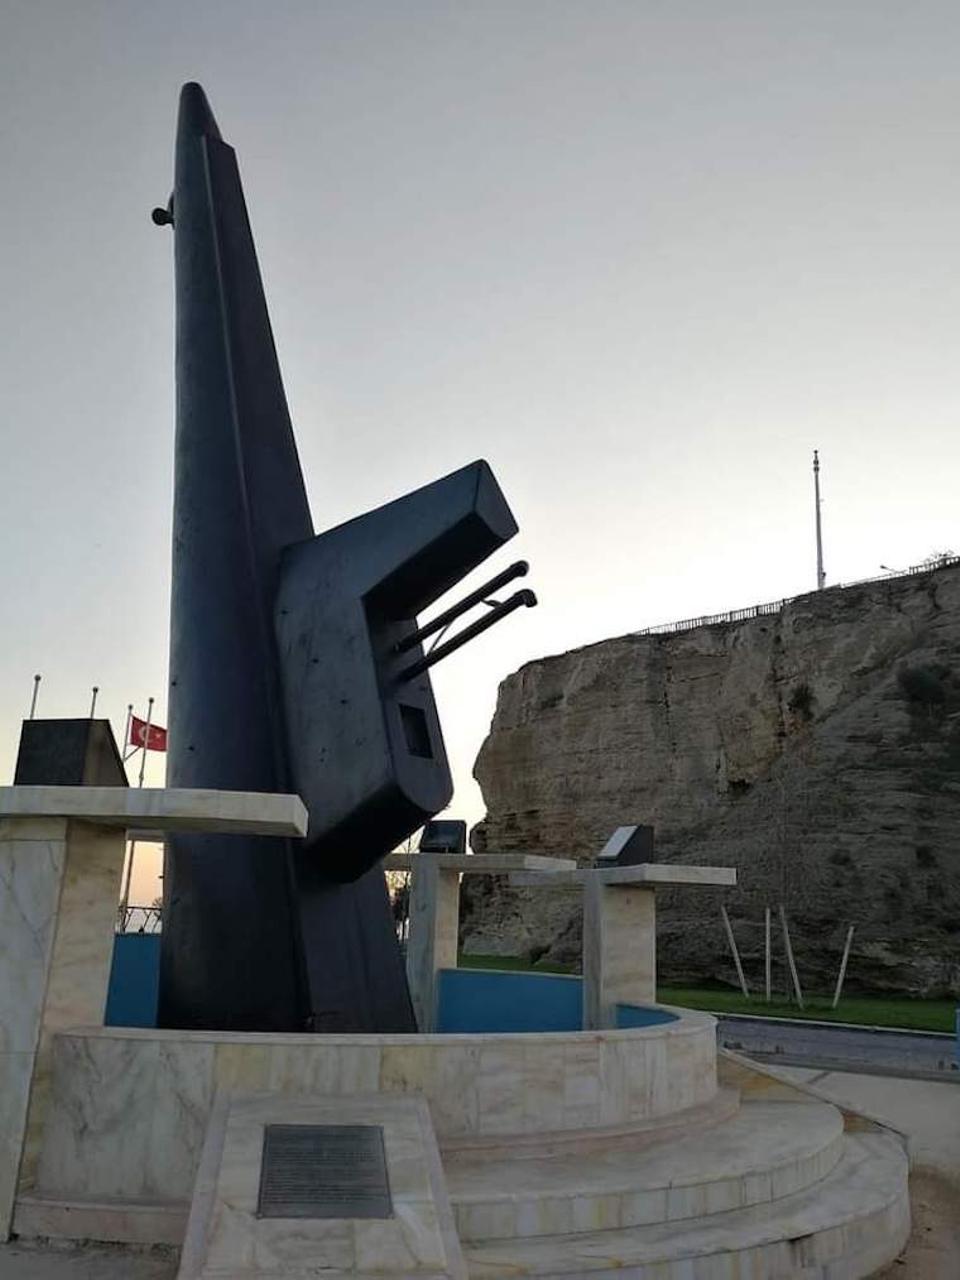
(490, 1000)
(639, 1015)
(470, 1000)
(475, 1000)
(134, 980)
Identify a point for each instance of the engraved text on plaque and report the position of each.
(324, 1171)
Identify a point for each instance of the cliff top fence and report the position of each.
(775, 606)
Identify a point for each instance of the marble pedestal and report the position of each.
(229, 1239)
(434, 921)
(61, 860)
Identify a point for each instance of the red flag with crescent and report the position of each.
(150, 736)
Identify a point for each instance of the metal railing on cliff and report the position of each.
(774, 606)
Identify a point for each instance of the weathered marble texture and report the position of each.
(129, 1106)
(432, 935)
(483, 864)
(619, 949)
(225, 1238)
(32, 861)
(16, 1072)
(651, 873)
(31, 868)
(82, 955)
(162, 808)
(61, 858)
(59, 883)
(846, 1226)
(766, 1152)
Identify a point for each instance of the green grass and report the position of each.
(870, 1011)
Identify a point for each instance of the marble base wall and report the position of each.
(129, 1107)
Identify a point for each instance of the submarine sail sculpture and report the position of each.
(296, 661)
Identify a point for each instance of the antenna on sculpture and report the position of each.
(498, 610)
(821, 575)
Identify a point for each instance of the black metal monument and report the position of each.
(296, 661)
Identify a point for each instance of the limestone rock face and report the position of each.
(816, 749)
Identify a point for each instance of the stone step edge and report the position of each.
(143, 1222)
(545, 1143)
(164, 1222)
(582, 1208)
(778, 1243)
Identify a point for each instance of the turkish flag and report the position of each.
(154, 738)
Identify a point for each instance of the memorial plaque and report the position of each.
(324, 1171)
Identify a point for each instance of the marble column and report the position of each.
(59, 885)
(61, 859)
(619, 948)
(433, 933)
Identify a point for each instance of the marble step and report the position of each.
(534, 1146)
(845, 1227)
(140, 1222)
(133, 1221)
(768, 1150)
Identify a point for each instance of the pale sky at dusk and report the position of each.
(643, 257)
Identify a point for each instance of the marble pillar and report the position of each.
(59, 885)
(619, 949)
(61, 859)
(433, 933)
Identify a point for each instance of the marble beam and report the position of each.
(488, 864)
(162, 809)
(651, 873)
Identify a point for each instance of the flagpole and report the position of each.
(93, 700)
(127, 851)
(125, 900)
(36, 690)
(146, 741)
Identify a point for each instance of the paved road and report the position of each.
(927, 1111)
(840, 1047)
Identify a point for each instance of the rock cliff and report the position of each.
(817, 749)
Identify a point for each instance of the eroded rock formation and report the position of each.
(816, 749)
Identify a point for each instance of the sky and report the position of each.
(642, 256)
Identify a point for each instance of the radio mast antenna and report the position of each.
(821, 576)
